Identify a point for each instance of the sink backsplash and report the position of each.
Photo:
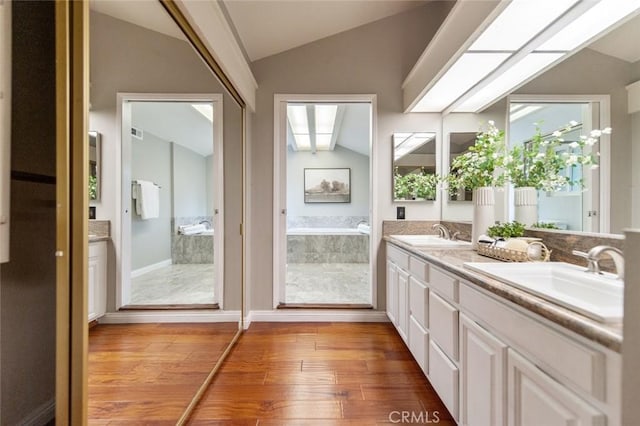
(561, 243)
(99, 228)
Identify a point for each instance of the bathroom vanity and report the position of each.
(99, 231)
(495, 354)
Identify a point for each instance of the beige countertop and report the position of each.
(452, 260)
(96, 238)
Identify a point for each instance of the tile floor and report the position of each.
(175, 285)
(328, 283)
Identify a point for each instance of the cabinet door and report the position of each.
(392, 292)
(403, 304)
(419, 344)
(535, 399)
(97, 280)
(483, 364)
(419, 301)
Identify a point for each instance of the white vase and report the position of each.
(484, 214)
(526, 205)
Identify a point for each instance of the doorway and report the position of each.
(171, 194)
(324, 206)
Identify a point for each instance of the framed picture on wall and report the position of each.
(327, 185)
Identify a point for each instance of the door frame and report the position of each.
(122, 225)
(280, 180)
(604, 162)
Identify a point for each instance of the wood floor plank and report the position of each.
(268, 409)
(291, 392)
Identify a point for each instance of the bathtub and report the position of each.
(323, 231)
(327, 245)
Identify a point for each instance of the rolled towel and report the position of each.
(191, 229)
(485, 239)
(364, 228)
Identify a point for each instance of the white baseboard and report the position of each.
(139, 317)
(149, 268)
(313, 315)
(41, 415)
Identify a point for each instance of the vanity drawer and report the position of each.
(443, 283)
(558, 354)
(443, 375)
(419, 268)
(443, 325)
(418, 301)
(400, 257)
(419, 344)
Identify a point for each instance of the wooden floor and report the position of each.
(278, 374)
(148, 373)
(319, 374)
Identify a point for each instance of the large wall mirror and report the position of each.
(171, 174)
(459, 143)
(565, 124)
(414, 166)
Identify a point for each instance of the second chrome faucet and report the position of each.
(594, 255)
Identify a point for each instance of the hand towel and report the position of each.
(191, 229)
(147, 200)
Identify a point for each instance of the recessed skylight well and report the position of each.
(531, 35)
(206, 109)
(313, 126)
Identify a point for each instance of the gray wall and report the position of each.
(128, 58)
(338, 158)
(28, 281)
(590, 72)
(372, 59)
(189, 183)
(151, 238)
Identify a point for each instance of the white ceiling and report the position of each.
(622, 43)
(268, 27)
(175, 122)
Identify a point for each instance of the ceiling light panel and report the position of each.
(323, 141)
(467, 71)
(297, 115)
(520, 72)
(303, 141)
(591, 23)
(508, 31)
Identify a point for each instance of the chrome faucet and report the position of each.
(205, 221)
(444, 232)
(595, 254)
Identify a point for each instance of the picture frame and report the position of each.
(327, 185)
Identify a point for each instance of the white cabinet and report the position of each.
(97, 280)
(419, 301)
(443, 375)
(403, 305)
(392, 292)
(483, 363)
(535, 399)
(419, 344)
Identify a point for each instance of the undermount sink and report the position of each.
(430, 241)
(599, 297)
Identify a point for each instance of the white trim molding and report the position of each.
(186, 316)
(316, 315)
(210, 23)
(149, 268)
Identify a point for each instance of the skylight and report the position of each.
(313, 126)
(206, 109)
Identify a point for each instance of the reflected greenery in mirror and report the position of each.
(414, 166)
(94, 165)
(459, 144)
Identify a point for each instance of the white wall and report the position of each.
(151, 238)
(338, 158)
